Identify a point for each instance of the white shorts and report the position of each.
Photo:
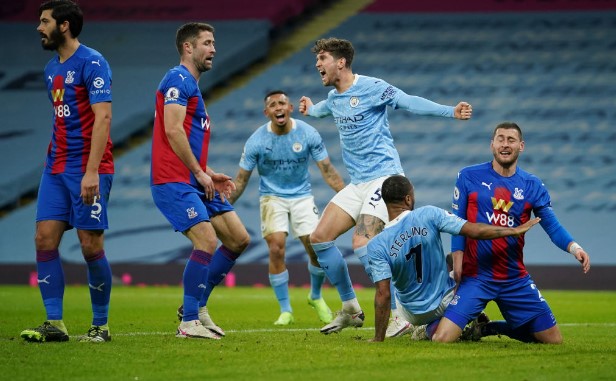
(364, 198)
(427, 317)
(277, 212)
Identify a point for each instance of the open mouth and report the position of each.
(280, 118)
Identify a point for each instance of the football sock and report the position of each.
(431, 328)
(195, 280)
(362, 255)
(317, 277)
(99, 282)
(500, 327)
(332, 262)
(222, 262)
(280, 284)
(50, 282)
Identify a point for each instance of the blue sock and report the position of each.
(280, 284)
(317, 277)
(99, 281)
(501, 327)
(431, 328)
(222, 262)
(195, 282)
(51, 282)
(362, 255)
(331, 261)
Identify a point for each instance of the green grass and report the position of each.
(144, 347)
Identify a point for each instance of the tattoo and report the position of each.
(369, 226)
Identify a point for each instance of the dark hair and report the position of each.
(65, 10)
(274, 92)
(396, 188)
(508, 126)
(337, 47)
(190, 32)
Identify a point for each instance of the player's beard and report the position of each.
(54, 40)
(203, 66)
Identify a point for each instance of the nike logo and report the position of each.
(44, 280)
(487, 185)
(97, 288)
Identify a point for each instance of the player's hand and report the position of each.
(223, 184)
(463, 111)
(304, 105)
(583, 258)
(207, 183)
(90, 188)
(527, 225)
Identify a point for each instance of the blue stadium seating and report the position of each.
(552, 73)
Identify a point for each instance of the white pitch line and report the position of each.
(266, 330)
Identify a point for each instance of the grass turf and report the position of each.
(144, 346)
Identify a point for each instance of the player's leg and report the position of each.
(336, 220)
(52, 215)
(304, 217)
(181, 204)
(235, 239)
(466, 305)
(90, 221)
(528, 317)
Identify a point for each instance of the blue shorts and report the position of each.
(184, 206)
(519, 301)
(58, 200)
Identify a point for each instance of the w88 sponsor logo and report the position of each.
(62, 110)
(500, 219)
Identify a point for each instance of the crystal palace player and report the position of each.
(78, 173)
(188, 192)
(501, 193)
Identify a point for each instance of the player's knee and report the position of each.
(240, 243)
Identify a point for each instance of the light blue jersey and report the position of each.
(282, 160)
(360, 114)
(409, 251)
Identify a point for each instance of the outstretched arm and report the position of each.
(330, 174)
(485, 231)
(463, 111)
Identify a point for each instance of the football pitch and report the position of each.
(144, 346)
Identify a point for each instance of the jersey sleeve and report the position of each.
(175, 89)
(377, 257)
(549, 222)
(316, 144)
(319, 110)
(97, 78)
(250, 155)
(421, 106)
(458, 206)
(445, 221)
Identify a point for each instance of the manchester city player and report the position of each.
(281, 150)
(78, 174)
(409, 254)
(502, 194)
(358, 105)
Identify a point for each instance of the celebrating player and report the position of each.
(281, 149)
(359, 107)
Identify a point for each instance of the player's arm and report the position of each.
(561, 237)
(100, 136)
(330, 174)
(319, 110)
(241, 180)
(457, 257)
(174, 130)
(422, 106)
(382, 308)
(222, 183)
(485, 231)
